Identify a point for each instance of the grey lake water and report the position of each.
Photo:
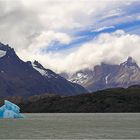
(72, 126)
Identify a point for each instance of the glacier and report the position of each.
(10, 110)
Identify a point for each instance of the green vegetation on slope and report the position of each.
(109, 100)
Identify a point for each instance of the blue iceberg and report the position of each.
(10, 110)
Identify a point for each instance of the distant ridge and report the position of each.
(107, 76)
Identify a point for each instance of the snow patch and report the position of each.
(43, 72)
(79, 78)
(106, 79)
(2, 53)
(2, 71)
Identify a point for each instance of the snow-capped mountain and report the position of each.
(19, 78)
(108, 76)
(127, 74)
(48, 74)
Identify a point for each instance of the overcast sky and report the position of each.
(70, 35)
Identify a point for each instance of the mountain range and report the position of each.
(107, 76)
(19, 78)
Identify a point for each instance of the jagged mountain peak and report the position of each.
(30, 78)
(5, 47)
(47, 73)
(8, 52)
(130, 62)
(108, 75)
(38, 65)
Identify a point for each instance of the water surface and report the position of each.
(72, 126)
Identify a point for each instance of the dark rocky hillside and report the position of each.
(19, 78)
(109, 100)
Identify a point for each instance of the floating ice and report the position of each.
(10, 110)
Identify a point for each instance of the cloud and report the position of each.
(22, 20)
(111, 48)
(103, 28)
(113, 13)
(30, 26)
(44, 39)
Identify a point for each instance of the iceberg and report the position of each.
(10, 110)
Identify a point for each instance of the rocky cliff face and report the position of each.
(108, 76)
(19, 78)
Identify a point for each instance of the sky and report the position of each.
(71, 35)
